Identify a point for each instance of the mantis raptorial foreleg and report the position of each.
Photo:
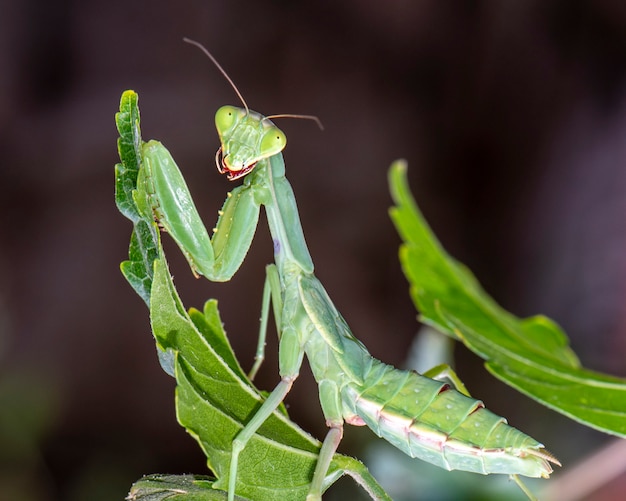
(329, 447)
(162, 191)
(217, 258)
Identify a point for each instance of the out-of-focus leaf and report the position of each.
(531, 355)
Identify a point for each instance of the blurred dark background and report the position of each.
(512, 116)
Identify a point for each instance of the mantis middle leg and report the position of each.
(271, 293)
(291, 354)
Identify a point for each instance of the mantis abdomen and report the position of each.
(429, 420)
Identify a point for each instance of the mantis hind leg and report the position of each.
(329, 447)
(523, 487)
(272, 293)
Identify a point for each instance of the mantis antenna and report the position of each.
(219, 67)
(223, 72)
(305, 117)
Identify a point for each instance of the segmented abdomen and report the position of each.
(429, 420)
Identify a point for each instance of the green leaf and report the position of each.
(176, 488)
(531, 355)
(142, 253)
(144, 242)
(129, 148)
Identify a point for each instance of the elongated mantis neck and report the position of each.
(290, 249)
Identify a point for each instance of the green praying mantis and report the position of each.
(425, 418)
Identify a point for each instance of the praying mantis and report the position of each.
(424, 417)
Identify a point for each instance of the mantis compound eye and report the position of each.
(225, 118)
(273, 141)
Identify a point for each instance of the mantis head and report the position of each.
(246, 137)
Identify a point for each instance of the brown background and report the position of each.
(512, 116)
